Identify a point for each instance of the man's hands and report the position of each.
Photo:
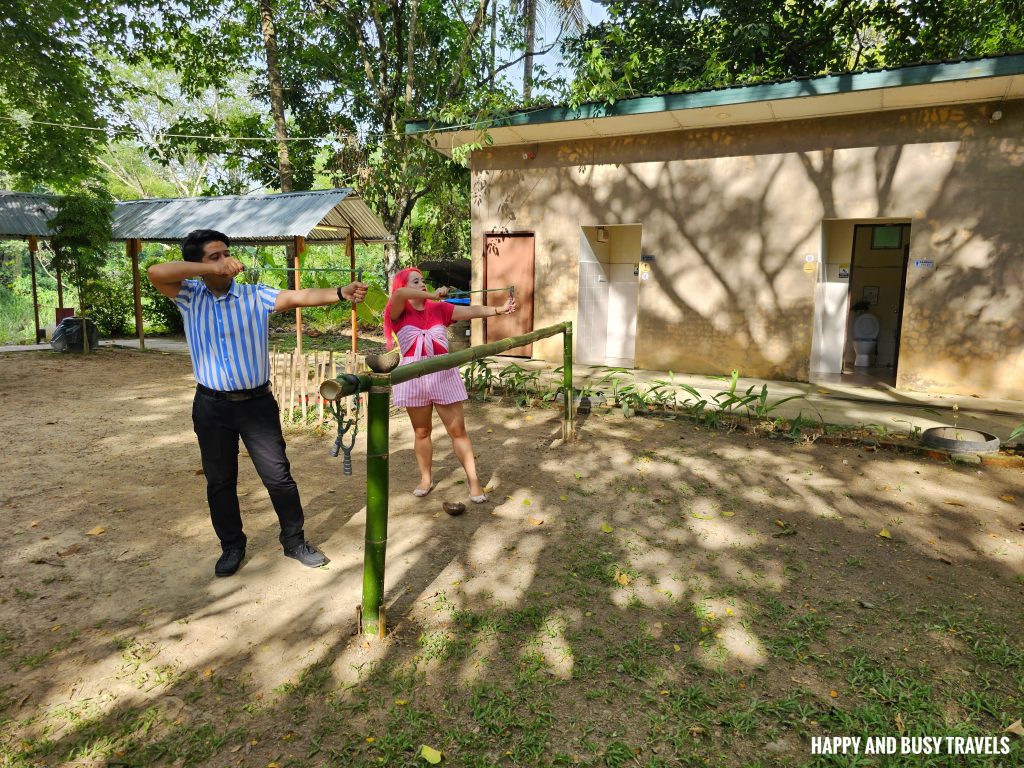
(226, 267)
(354, 292)
(510, 306)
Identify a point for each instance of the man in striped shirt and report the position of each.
(226, 326)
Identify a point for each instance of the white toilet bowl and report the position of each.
(865, 339)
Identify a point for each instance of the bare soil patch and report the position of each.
(654, 594)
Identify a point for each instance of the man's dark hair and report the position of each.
(194, 242)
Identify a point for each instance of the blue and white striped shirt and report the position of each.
(227, 336)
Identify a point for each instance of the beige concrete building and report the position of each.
(758, 228)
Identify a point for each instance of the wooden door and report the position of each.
(509, 260)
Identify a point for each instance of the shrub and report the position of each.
(159, 311)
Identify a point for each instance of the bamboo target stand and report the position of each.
(370, 612)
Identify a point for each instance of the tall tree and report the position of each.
(568, 14)
(681, 44)
(81, 227)
(54, 74)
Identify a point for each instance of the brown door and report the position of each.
(508, 260)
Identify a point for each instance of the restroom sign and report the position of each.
(844, 272)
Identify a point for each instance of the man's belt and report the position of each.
(235, 395)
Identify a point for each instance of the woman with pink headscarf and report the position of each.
(418, 320)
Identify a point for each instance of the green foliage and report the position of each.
(81, 232)
(54, 58)
(662, 47)
(113, 305)
(159, 311)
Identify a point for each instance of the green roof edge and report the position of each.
(818, 85)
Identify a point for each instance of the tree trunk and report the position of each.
(276, 92)
(530, 17)
(390, 262)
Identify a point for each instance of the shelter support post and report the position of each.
(300, 246)
(350, 248)
(376, 502)
(134, 249)
(33, 246)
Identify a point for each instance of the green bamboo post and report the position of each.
(568, 426)
(379, 386)
(376, 502)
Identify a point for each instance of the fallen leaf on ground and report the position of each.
(834, 694)
(527, 502)
(564, 498)
(96, 531)
(69, 550)
(199, 472)
(606, 528)
(33, 524)
(622, 578)
(430, 754)
(1017, 729)
(1008, 497)
(884, 534)
(953, 503)
(535, 521)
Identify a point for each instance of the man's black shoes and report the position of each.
(229, 561)
(307, 554)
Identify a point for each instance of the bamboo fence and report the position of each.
(296, 379)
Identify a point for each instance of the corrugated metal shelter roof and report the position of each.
(25, 215)
(319, 217)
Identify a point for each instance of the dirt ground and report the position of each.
(108, 605)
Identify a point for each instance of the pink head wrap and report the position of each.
(400, 281)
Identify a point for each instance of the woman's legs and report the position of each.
(422, 417)
(454, 420)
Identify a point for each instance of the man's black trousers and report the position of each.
(218, 425)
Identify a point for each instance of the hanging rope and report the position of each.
(345, 424)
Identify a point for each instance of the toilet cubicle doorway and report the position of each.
(878, 278)
(863, 263)
(608, 295)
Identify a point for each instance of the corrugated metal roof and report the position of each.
(23, 215)
(319, 217)
(322, 216)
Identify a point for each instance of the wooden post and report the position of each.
(60, 287)
(300, 246)
(350, 247)
(291, 385)
(134, 248)
(33, 246)
(316, 385)
(305, 385)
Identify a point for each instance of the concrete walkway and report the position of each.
(887, 408)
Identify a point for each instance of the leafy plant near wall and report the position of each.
(478, 377)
